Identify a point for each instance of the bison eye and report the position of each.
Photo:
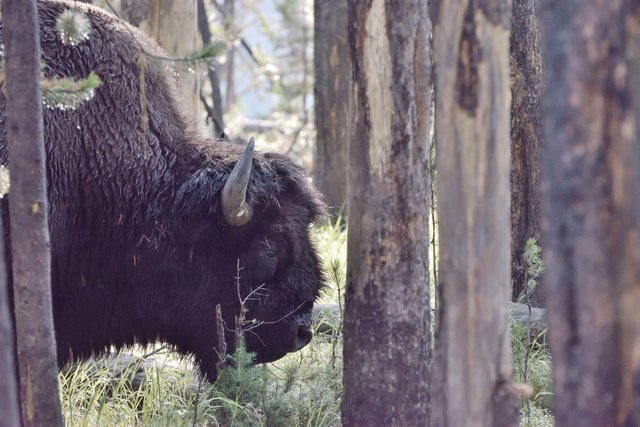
(270, 252)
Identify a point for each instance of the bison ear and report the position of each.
(235, 209)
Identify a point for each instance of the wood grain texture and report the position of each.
(473, 364)
(387, 333)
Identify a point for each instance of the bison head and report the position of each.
(251, 242)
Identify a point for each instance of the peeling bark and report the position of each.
(591, 196)
(387, 338)
(472, 373)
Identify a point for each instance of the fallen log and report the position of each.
(326, 317)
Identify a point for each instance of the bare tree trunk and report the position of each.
(230, 97)
(387, 339)
(526, 139)
(36, 345)
(332, 96)
(473, 365)
(216, 111)
(173, 23)
(9, 408)
(591, 196)
(136, 12)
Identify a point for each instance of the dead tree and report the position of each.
(30, 244)
(473, 382)
(591, 211)
(386, 324)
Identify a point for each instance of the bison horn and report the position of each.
(235, 208)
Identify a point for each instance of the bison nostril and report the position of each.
(303, 336)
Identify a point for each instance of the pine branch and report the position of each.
(69, 94)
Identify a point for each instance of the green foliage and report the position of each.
(534, 268)
(237, 390)
(208, 51)
(92, 395)
(530, 354)
(69, 94)
(539, 417)
(73, 26)
(538, 363)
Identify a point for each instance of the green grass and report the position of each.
(537, 411)
(302, 389)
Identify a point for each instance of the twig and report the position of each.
(528, 349)
(197, 403)
(305, 77)
(434, 225)
(338, 279)
(221, 349)
(155, 351)
(243, 42)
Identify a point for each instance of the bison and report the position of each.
(151, 221)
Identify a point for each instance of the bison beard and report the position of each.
(142, 247)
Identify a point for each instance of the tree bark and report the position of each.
(216, 111)
(526, 139)
(229, 15)
(332, 94)
(30, 247)
(9, 408)
(473, 364)
(386, 330)
(591, 211)
(135, 12)
(173, 23)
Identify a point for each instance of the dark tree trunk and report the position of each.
(526, 139)
(473, 383)
(215, 110)
(387, 339)
(9, 409)
(135, 12)
(228, 13)
(332, 98)
(36, 346)
(591, 211)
